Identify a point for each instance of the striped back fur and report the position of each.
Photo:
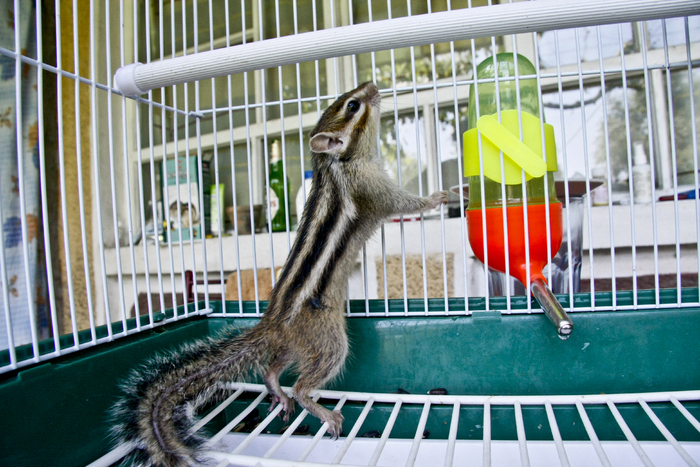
(327, 237)
(304, 324)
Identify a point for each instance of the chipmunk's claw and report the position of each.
(438, 198)
(335, 424)
(287, 406)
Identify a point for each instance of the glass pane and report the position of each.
(573, 145)
(308, 72)
(595, 132)
(177, 99)
(422, 54)
(149, 186)
(683, 123)
(407, 139)
(675, 31)
(618, 137)
(308, 77)
(174, 16)
(240, 158)
(449, 150)
(588, 44)
(237, 98)
(304, 14)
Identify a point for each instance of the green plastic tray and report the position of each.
(56, 413)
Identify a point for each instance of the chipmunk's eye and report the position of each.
(353, 106)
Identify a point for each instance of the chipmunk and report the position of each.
(304, 324)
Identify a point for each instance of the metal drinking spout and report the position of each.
(552, 308)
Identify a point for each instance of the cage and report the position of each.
(137, 215)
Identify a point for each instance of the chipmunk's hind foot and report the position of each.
(273, 386)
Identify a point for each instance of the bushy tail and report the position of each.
(155, 415)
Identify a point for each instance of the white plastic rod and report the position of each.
(471, 23)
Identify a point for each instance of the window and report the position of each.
(296, 94)
(403, 65)
(405, 138)
(675, 31)
(178, 38)
(587, 44)
(614, 41)
(683, 123)
(411, 138)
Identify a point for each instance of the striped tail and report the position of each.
(156, 414)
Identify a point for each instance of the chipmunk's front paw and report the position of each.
(438, 198)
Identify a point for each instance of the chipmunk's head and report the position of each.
(348, 127)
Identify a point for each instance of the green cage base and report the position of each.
(57, 412)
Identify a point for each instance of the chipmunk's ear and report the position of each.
(329, 143)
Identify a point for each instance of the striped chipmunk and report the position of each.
(304, 325)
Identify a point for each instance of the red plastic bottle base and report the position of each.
(537, 233)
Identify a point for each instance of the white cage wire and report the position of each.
(257, 446)
(89, 252)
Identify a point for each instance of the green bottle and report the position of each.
(529, 118)
(279, 203)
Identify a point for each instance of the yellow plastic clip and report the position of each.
(518, 155)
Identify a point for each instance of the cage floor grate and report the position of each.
(643, 429)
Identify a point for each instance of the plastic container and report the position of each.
(57, 412)
(513, 206)
(503, 176)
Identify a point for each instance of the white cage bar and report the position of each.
(197, 263)
(92, 230)
(512, 18)
(255, 446)
(136, 270)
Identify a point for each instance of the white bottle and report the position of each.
(641, 175)
(306, 186)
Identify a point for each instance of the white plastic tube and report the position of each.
(496, 20)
